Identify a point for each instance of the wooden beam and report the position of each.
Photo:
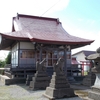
(65, 61)
(40, 53)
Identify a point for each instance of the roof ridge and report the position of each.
(39, 17)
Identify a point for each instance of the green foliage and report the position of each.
(2, 63)
(8, 59)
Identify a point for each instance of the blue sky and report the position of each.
(79, 17)
(82, 18)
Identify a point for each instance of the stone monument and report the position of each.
(41, 79)
(90, 78)
(59, 86)
(94, 94)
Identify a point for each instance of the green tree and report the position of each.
(2, 63)
(8, 59)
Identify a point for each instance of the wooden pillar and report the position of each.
(18, 53)
(65, 61)
(40, 53)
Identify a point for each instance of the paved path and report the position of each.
(22, 92)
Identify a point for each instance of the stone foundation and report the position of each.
(89, 79)
(39, 81)
(59, 87)
(28, 79)
(94, 94)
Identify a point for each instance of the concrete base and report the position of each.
(28, 79)
(59, 93)
(59, 87)
(95, 90)
(40, 81)
(89, 79)
(3, 78)
(86, 98)
(8, 81)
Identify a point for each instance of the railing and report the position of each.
(7, 66)
(20, 66)
(27, 66)
(33, 66)
(74, 70)
(69, 66)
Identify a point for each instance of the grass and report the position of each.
(85, 73)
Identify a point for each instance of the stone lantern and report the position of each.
(94, 94)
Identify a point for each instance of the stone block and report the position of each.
(40, 78)
(59, 93)
(37, 85)
(94, 95)
(57, 86)
(58, 81)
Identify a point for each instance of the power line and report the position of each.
(50, 8)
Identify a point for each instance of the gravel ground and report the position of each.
(22, 92)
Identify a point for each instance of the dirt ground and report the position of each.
(22, 92)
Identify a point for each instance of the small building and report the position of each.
(80, 57)
(34, 38)
(76, 67)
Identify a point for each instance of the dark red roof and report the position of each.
(44, 30)
(74, 61)
(86, 52)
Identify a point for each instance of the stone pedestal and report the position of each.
(59, 87)
(89, 79)
(94, 94)
(39, 81)
(28, 79)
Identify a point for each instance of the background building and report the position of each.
(80, 57)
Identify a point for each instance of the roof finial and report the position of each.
(58, 21)
(17, 16)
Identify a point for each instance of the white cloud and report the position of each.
(31, 6)
(90, 21)
(9, 8)
(3, 54)
(80, 19)
(87, 35)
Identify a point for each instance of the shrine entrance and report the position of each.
(51, 57)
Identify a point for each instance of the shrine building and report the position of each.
(34, 38)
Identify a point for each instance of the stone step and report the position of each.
(94, 95)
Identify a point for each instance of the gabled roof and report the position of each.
(74, 61)
(43, 30)
(86, 52)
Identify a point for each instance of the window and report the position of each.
(44, 54)
(27, 54)
(55, 54)
(61, 54)
(49, 58)
(27, 58)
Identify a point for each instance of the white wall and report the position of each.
(26, 45)
(26, 61)
(14, 56)
(80, 57)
